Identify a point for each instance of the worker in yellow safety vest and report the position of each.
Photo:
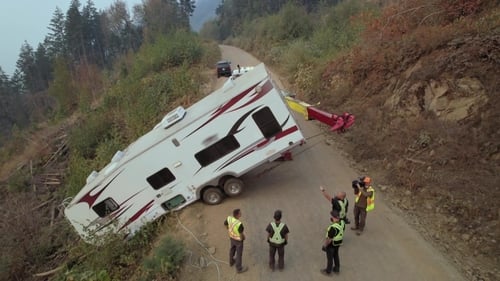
(333, 240)
(277, 237)
(340, 203)
(365, 202)
(236, 236)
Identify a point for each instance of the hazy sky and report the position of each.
(27, 20)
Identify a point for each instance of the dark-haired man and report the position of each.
(236, 237)
(277, 237)
(333, 240)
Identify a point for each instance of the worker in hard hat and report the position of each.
(365, 202)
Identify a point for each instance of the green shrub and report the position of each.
(168, 51)
(107, 149)
(115, 259)
(88, 275)
(79, 168)
(293, 23)
(19, 181)
(211, 54)
(338, 28)
(166, 258)
(85, 137)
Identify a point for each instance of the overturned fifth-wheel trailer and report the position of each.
(195, 153)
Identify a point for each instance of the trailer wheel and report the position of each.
(212, 196)
(233, 187)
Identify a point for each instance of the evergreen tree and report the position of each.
(27, 68)
(93, 38)
(5, 86)
(120, 34)
(160, 17)
(16, 82)
(186, 8)
(55, 40)
(231, 14)
(74, 31)
(43, 68)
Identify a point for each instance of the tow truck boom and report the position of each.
(336, 122)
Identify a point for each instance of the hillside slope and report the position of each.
(428, 124)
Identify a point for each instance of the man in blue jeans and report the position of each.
(333, 240)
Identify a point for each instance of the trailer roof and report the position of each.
(199, 109)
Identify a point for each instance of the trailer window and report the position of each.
(105, 207)
(161, 178)
(217, 150)
(266, 122)
(174, 202)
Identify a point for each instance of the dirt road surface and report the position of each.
(389, 249)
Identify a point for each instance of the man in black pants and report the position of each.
(333, 240)
(236, 236)
(340, 204)
(277, 237)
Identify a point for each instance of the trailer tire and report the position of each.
(212, 196)
(233, 187)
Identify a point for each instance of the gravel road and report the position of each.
(390, 249)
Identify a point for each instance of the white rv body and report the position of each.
(226, 134)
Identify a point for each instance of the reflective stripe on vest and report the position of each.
(340, 232)
(342, 208)
(233, 225)
(277, 239)
(370, 201)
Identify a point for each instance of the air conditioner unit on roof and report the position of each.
(172, 117)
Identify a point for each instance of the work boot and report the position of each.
(243, 269)
(324, 272)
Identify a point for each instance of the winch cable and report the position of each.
(215, 260)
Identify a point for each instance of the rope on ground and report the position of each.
(318, 134)
(215, 260)
(202, 264)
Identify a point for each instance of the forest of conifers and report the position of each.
(80, 39)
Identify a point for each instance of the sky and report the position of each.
(27, 20)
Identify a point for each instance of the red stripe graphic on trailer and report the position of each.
(120, 211)
(114, 218)
(258, 146)
(123, 207)
(266, 88)
(90, 199)
(223, 108)
(138, 214)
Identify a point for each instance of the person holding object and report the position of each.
(340, 203)
(277, 237)
(236, 236)
(365, 202)
(333, 240)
